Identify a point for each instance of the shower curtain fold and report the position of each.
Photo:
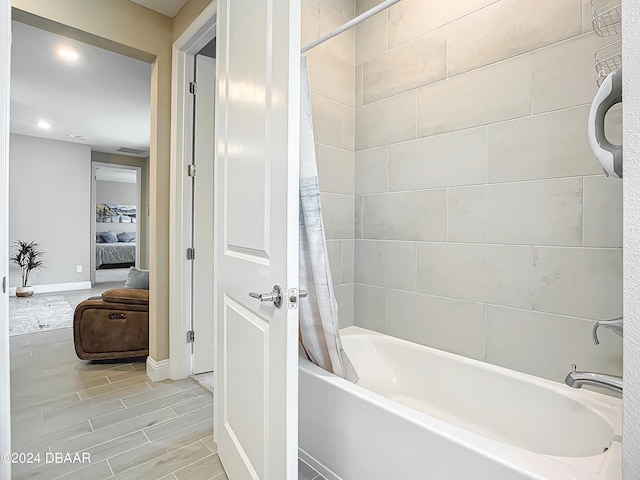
(319, 327)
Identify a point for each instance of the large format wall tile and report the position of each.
(337, 215)
(341, 86)
(371, 37)
(419, 215)
(344, 298)
(450, 325)
(496, 274)
(545, 212)
(543, 146)
(602, 212)
(371, 171)
(564, 73)
(581, 282)
(335, 169)
(421, 61)
(370, 307)
(343, 46)
(458, 158)
(517, 338)
(327, 120)
(334, 251)
(348, 258)
(386, 264)
(388, 121)
(359, 85)
(509, 28)
(412, 18)
(490, 94)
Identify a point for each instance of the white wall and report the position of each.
(631, 195)
(50, 202)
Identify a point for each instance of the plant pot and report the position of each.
(24, 291)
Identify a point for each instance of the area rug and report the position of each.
(38, 314)
(205, 380)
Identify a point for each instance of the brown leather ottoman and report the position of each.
(115, 325)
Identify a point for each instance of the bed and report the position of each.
(115, 255)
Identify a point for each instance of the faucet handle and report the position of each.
(615, 325)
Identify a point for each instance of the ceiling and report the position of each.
(101, 95)
(166, 7)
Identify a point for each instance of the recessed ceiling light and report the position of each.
(44, 124)
(68, 54)
(79, 137)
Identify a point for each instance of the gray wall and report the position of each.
(331, 77)
(484, 225)
(143, 214)
(50, 202)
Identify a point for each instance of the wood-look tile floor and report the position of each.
(130, 427)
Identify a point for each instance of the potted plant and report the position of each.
(28, 257)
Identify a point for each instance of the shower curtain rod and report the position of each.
(351, 23)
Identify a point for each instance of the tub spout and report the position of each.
(576, 379)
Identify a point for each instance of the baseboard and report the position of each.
(158, 371)
(317, 466)
(56, 287)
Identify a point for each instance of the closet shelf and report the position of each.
(608, 59)
(606, 17)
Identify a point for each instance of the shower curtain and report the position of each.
(319, 334)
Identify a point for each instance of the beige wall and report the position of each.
(331, 77)
(484, 224)
(130, 29)
(143, 214)
(50, 203)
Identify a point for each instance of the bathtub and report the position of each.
(420, 413)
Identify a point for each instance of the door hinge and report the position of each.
(4, 284)
(191, 170)
(191, 253)
(193, 88)
(191, 336)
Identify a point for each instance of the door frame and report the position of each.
(195, 37)
(140, 208)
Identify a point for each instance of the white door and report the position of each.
(203, 215)
(256, 235)
(5, 411)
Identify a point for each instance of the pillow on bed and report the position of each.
(126, 237)
(99, 237)
(137, 278)
(108, 237)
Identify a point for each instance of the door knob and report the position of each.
(274, 296)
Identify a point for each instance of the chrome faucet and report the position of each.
(615, 325)
(576, 379)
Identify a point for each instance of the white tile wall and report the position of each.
(419, 215)
(491, 94)
(421, 61)
(547, 212)
(528, 341)
(581, 282)
(386, 264)
(458, 158)
(495, 274)
(450, 325)
(524, 252)
(509, 28)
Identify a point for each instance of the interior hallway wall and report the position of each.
(484, 225)
(50, 203)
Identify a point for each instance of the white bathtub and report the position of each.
(420, 413)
